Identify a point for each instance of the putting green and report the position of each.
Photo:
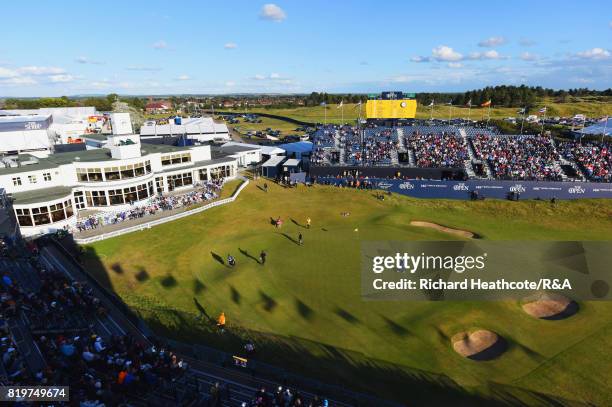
(304, 311)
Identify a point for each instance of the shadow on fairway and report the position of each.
(202, 310)
(198, 286)
(304, 310)
(218, 258)
(235, 294)
(268, 302)
(117, 268)
(168, 282)
(396, 328)
(250, 256)
(290, 238)
(347, 316)
(142, 275)
(296, 223)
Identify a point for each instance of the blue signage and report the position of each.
(484, 188)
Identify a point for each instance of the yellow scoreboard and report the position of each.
(391, 109)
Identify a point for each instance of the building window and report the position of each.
(23, 217)
(203, 174)
(172, 159)
(17, 181)
(47, 176)
(57, 212)
(32, 179)
(179, 180)
(68, 208)
(112, 173)
(159, 184)
(115, 197)
(96, 198)
(41, 215)
(79, 200)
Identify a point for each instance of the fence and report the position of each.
(171, 218)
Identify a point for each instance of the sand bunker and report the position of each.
(479, 345)
(550, 306)
(458, 232)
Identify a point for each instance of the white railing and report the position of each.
(148, 225)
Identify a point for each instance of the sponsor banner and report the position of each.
(25, 125)
(485, 188)
(477, 270)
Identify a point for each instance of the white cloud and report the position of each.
(7, 73)
(491, 54)
(446, 53)
(455, 65)
(143, 68)
(161, 44)
(41, 70)
(594, 53)
(229, 84)
(419, 59)
(492, 42)
(230, 45)
(610, 24)
(274, 75)
(85, 60)
(528, 56)
(62, 78)
(259, 77)
(18, 81)
(183, 78)
(272, 12)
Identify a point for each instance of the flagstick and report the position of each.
(450, 113)
(523, 120)
(489, 117)
(543, 120)
(604, 130)
(469, 112)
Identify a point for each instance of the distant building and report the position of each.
(161, 107)
(198, 128)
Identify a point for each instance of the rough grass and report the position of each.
(304, 311)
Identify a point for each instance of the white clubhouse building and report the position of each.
(48, 193)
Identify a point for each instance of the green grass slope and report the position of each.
(304, 311)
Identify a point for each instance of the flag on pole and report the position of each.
(486, 104)
(521, 110)
(323, 104)
(339, 104)
(542, 110)
(431, 104)
(469, 103)
(450, 102)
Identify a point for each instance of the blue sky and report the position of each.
(158, 47)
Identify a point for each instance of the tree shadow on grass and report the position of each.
(250, 256)
(304, 310)
(268, 302)
(142, 275)
(169, 281)
(235, 294)
(347, 316)
(116, 267)
(198, 286)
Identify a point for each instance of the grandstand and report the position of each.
(445, 151)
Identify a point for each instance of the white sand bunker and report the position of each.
(479, 345)
(457, 232)
(550, 306)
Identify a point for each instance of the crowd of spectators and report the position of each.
(523, 157)
(434, 150)
(595, 159)
(207, 192)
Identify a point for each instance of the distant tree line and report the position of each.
(508, 96)
(316, 98)
(101, 103)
